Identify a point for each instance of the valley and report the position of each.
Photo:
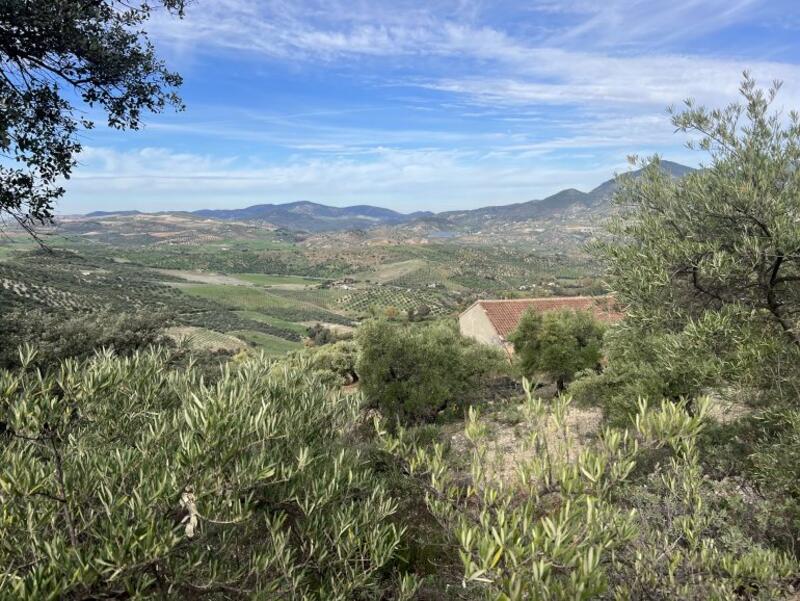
(258, 278)
(260, 286)
(324, 301)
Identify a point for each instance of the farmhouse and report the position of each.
(491, 321)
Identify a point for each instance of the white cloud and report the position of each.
(158, 179)
(490, 64)
(622, 22)
(558, 108)
(324, 29)
(562, 77)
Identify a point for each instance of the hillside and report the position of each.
(569, 204)
(313, 217)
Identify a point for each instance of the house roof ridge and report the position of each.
(540, 298)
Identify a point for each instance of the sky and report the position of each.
(433, 105)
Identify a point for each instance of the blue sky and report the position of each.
(427, 105)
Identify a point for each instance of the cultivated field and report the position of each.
(229, 285)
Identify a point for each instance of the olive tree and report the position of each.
(708, 270)
(592, 522)
(724, 239)
(557, 344)
(123, 478)
(414, 372)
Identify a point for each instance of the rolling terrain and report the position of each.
(227, 285)
(260, 277)
(568, 205)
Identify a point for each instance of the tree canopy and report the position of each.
(557, 344)
(725, 238)
(56, 58)
(412, 373)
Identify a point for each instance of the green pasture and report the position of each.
(271, 345)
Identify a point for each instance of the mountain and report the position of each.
(566, 203)
(313, 217)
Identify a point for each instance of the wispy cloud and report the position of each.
(613, 23)
(316, 33)
(326, 29)
(508, 69)
(455, 102)
(180, 180)
(565, 77)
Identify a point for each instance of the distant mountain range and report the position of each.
(313, 217)
(112, 213)
(566, 203)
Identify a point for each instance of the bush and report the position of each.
(596, 524)
(320, 335)
(56, 336)
(637, 367)
(334, 364)
(412, 373)
(124, 478)
(420, 313)
(557, 344)
(761, 450)
(755, 365)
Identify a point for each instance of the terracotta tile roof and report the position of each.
(505, 314)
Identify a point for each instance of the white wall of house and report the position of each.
(475, 324)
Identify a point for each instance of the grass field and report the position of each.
(274, 321)
(327, 298)
(271, 345)
(238, 297)
(275, 280)
(262, 301)
(391, 271)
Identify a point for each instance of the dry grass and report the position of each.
(509, 439)
(203, 278)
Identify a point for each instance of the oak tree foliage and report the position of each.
(59, 59)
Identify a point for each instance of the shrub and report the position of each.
(420, 313)
(56, 336)
(761, 450)
(320, 335)
(124, 478)
(587, 525)
(557, 344)
(643, 364)
(413, 373)
(334, 364)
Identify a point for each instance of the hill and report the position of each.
(113, 213)
(314, 217)
(568, 204)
